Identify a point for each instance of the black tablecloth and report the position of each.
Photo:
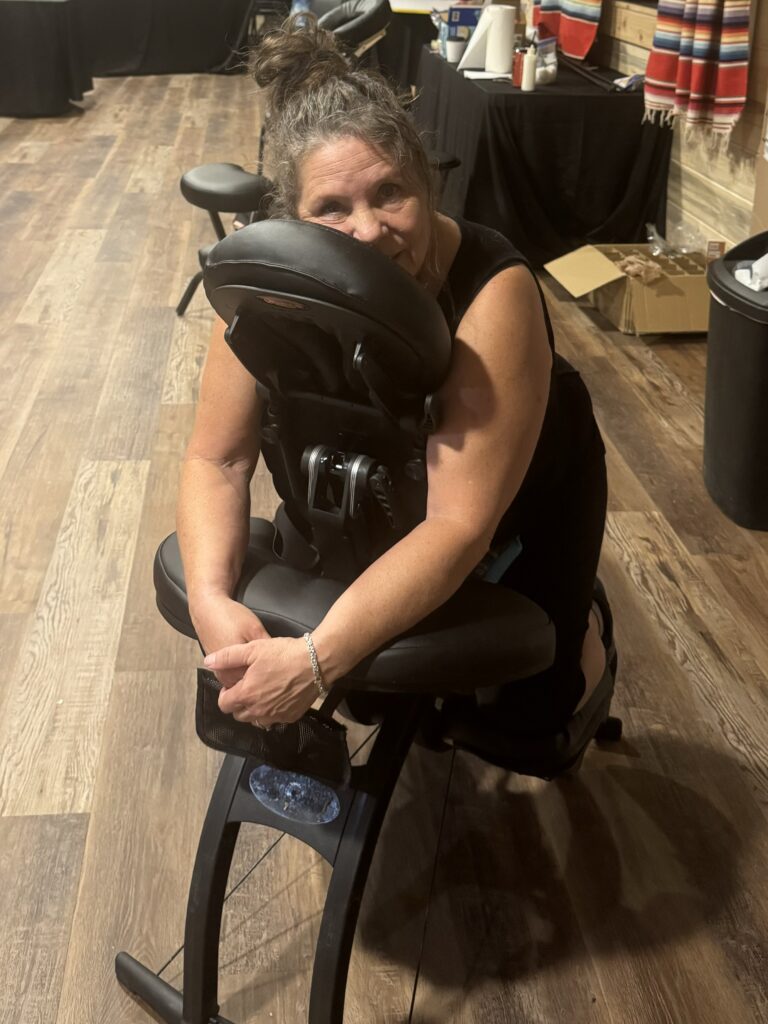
(43, 62)
(400, 49)
(553, 169)
(161, 37)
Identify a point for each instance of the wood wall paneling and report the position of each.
(711, 192)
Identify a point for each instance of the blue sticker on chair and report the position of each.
(294, 796)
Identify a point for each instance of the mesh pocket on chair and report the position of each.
(314, 745)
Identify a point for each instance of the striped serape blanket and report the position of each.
(573, 22)
(697, 69)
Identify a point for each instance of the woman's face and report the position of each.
(351, 187)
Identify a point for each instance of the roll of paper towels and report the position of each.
(500, 50)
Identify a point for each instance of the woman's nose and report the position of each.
(368, 227)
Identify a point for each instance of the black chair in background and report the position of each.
(347, 352)
(220, 188)
(360, 23)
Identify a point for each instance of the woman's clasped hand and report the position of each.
(268, 680)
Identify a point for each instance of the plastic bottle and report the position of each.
(529, 70)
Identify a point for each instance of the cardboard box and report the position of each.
(675, 303)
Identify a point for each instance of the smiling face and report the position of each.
(351, 187)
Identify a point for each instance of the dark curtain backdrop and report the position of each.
(159, 37)
(44, 61)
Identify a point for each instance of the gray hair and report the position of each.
(315, 95)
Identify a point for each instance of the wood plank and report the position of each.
(733, 168)
(709, 202)
(189, 347)
(513, 951)
(680, 221)
(126, 415)
(697, 631)
(624, 57)
(628, 23)
(39, 873)
(20, 268)
(147, 642)
(54, 296)
(141, 833)
(51, 730)
(671, 474)
(23, 354)
(163, 246)
(13, 629)
(625, 492)
(37, 485)
(124, 239)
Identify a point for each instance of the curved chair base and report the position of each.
(346, 843)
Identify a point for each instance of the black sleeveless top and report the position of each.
(481, 255)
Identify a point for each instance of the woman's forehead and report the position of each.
(343, 165)
(348, 153)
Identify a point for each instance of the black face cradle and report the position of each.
(280, 274)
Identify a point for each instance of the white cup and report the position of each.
(454, 48)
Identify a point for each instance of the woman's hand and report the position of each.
(220, 621)
(275, 680)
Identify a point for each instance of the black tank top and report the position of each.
(481, 255)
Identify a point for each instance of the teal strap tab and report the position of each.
(501, 560)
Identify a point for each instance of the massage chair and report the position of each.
(348, 354)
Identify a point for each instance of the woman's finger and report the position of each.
(234, 656)
(230, 701)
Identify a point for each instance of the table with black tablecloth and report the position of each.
(566, 165)
(44, 60)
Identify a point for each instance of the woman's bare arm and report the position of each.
(494, 403)
(214, 500)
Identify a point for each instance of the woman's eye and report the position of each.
(390, 192)
(330, 209)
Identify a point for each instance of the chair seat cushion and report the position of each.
(485, 635)
(224, 188)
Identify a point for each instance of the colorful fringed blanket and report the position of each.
(697, 69)
(574, 22)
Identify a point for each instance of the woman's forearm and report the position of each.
(408, 582)
(212, 525)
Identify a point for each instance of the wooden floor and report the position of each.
(634, 894)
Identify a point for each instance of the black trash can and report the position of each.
(736, 399)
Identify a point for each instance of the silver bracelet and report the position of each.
(322, 689)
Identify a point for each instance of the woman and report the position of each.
(517, 452)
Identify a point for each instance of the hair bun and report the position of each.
(298, 57)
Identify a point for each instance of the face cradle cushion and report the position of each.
(284, 272)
